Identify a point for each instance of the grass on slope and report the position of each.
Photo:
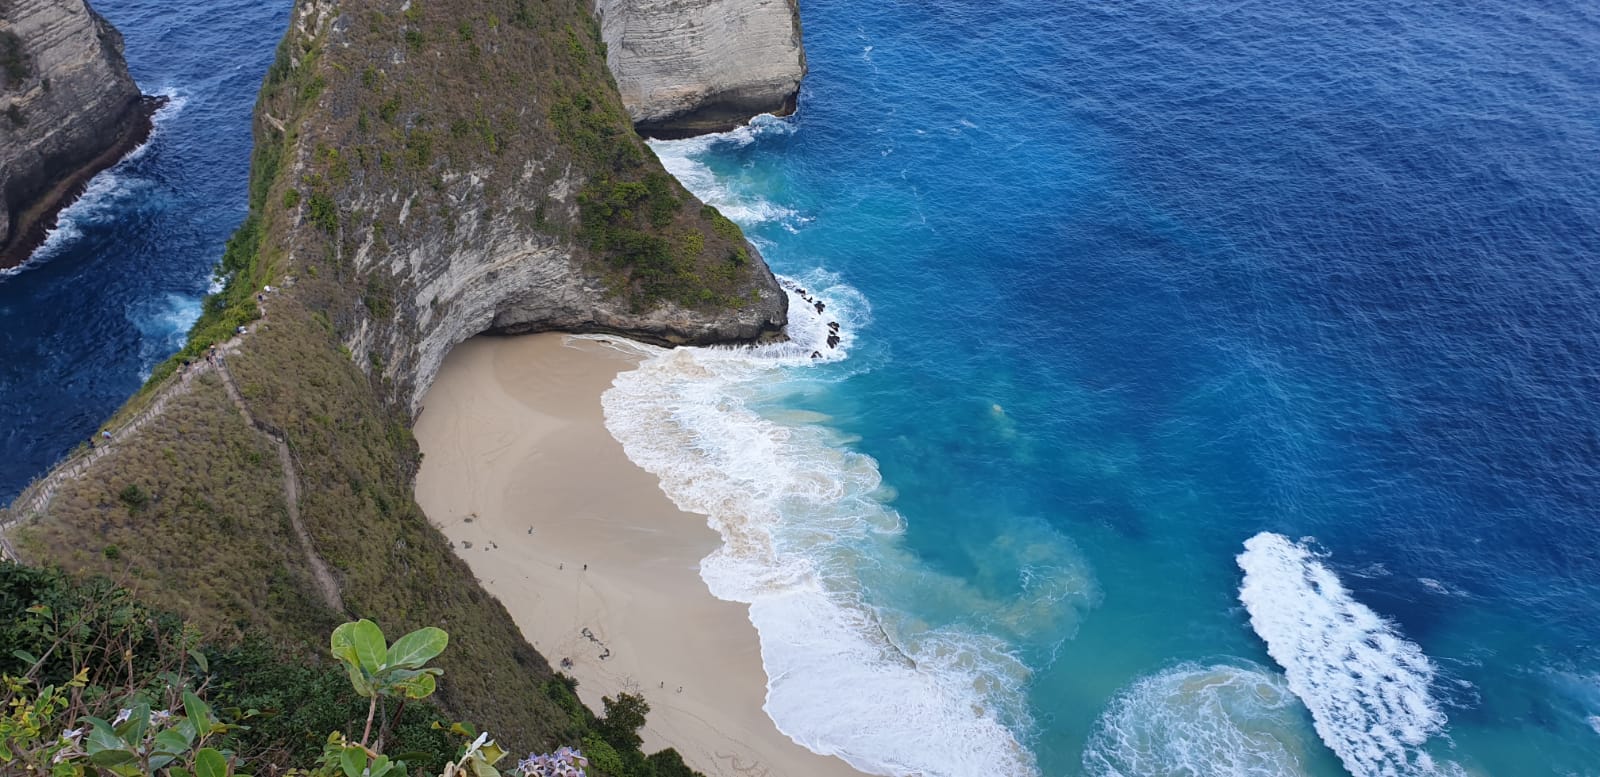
(460, 109)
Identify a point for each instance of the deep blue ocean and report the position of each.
(118, 284)
(1219, 382)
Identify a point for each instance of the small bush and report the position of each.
(603, 756)
(324, 213)
(134, 497)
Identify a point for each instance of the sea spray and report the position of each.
(1367, 687)
(801, 520)
(682, 158)
(104, 198)
(1220, 720)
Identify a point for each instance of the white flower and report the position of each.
(477, 743)
(122, 717)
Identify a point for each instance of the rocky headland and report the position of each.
(424, 171)
(68, 109)
(689, 67)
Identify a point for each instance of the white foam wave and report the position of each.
(683, 158)
(1367, 687)
(97, 203)
(1219, 721)
(106, 190)
(802, 521)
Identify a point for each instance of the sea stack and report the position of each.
(689, 67)
(68, 109)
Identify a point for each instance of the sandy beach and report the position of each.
(592, 560)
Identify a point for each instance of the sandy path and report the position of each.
(521, 474)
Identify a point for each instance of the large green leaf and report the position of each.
(101, 737)
(418, 687)
(380, 766)
(417, 648)
(138, 721)
(112, 757)
(358, 678)
(210, 763)
(353, 761)
(343, 643)
(197, 712)
(370, 646)
(171, 741)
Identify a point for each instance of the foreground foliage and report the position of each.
(97, 683)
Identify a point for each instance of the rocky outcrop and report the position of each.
(463, 203)
(689, 67)
(424, 171)
(68, 109)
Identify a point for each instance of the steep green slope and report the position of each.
(424, 171)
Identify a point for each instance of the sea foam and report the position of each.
(101, 200)
(1367, 687)
(1220, 720)
(800, 516)
(683, 158)
(809, 541)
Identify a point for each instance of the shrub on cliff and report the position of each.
(97, 681)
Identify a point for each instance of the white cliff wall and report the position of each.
(688, 67)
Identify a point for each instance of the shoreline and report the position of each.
(32, 224)
(595, 564)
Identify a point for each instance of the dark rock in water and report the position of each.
(820, 306)
(834, 325)
(68, 109)
(816, 354)
(833, 341)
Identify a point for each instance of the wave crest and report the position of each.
(1367, 687)
(1220, 720)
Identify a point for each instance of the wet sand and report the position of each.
(589, 556)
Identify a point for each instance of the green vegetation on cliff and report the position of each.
(377, 131)
(97, 682)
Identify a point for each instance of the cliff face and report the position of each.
(450, 184)
(688, 67)
(424, 170)
(68, 109)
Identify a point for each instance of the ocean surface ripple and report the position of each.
(1126, 287)
(118, 283)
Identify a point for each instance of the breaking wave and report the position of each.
(1219, 721)
(104, 198)
(800, 515)
(1367, 687)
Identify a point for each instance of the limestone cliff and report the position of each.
(424, 170)
(68, 109)
(456, 188)
(688, 67)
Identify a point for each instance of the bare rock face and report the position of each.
(689, 67)
(68, 109)
(436, 190)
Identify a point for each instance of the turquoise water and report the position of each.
(1122, 289)
(1127, 288)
